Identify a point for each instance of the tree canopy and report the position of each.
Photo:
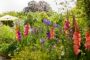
(33, 6)
(85, 6)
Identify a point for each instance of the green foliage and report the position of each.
(86, 9)
(36, 51)
(3, 48)
(30, 55)
(7, 34)
(30, 47)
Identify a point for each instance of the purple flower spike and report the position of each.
(47, 22)
(55, 25)
(19, 35)
(48, 35)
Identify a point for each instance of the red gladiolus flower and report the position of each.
(76, 38)
(26, 29)
(87, 43)
(77, 41)
(52, 33)
(76, 50)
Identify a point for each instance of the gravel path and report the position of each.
(3, 58)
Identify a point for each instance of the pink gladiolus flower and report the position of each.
(66, 25)
(26, 29)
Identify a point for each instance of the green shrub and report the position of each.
(7, 34)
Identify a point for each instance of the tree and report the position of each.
(85, 4)
(43, 6)
(33, 6)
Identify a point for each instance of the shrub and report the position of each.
(7, 34)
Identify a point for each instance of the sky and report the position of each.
(18, 5)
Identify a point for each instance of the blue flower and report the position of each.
(47, 22)
(55, 25)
